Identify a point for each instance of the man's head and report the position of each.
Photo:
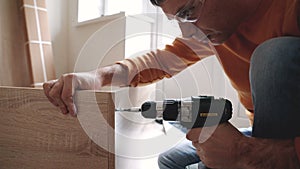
(218, 19)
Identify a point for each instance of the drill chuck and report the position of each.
(193, 112)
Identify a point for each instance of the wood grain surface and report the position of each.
(34, 134)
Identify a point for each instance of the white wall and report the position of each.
(59, 25)
(68, 38)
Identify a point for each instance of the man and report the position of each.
(258, 45)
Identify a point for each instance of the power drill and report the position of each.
(193, 112)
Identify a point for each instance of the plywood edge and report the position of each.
(81, 95)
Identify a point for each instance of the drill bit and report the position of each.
(132, 109)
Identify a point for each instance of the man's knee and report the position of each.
(277, 52)
(162, 160)
(275, 57)
(279, 45)
(178, 157)
(275, 79)
(165, 161)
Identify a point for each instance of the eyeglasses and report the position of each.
(190, 12)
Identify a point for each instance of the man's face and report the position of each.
(215, 18)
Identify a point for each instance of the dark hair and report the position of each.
(157, 2)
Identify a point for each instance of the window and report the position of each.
(91, 9)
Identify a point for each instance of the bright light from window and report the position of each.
(89, 9)
(130, 7)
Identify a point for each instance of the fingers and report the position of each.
(47, 88)
(55, 94)
(60, 93)
(67, 95)
(201, 135)
(193, 134)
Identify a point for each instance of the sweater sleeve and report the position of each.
(163, 63)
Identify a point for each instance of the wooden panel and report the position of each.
(34, 134)
(31, 24)
(38, 34)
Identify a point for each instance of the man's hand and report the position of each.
(225, 147)
(60, 92)
(218, 147)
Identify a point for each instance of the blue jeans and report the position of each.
(184, 154)
(275, 86)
